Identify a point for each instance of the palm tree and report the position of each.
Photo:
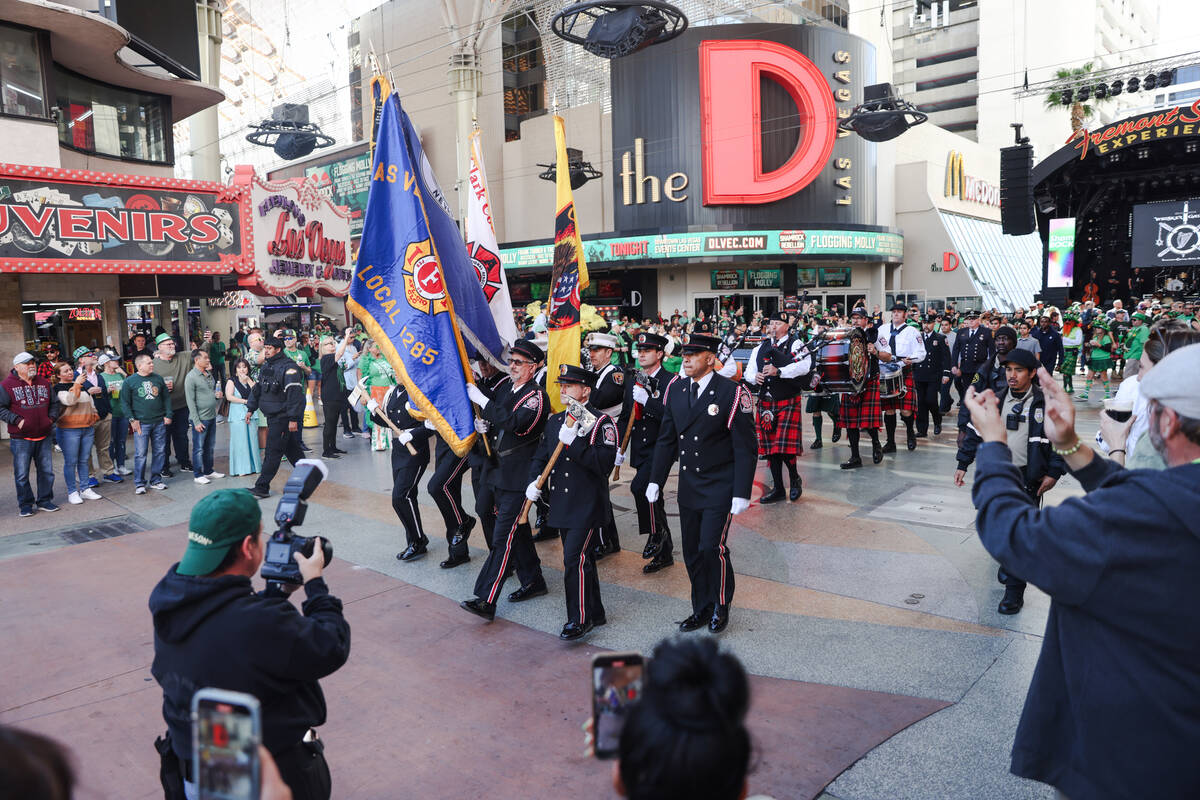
(1070, 78)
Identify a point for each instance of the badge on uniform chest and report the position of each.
(713, 410)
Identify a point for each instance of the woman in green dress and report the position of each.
(378, 376)
(1100, 359)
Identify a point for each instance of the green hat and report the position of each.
(1141, 316)
(163, 337)
(219, 521)
(80, 352)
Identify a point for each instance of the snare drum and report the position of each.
(842, 362)
(891, 386)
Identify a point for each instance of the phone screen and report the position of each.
(227, 739)
(616, 687)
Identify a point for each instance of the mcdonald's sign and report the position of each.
(965, 187)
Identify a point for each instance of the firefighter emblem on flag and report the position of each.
(423, 287)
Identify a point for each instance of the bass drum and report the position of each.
(842, 361)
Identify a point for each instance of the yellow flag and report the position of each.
(569, 274)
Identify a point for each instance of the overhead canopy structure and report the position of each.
(1006, 270)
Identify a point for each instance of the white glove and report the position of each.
(566, 434)
(652, 493)
(533, 493)
(430, 426)
(405, 437)
(620, 459)
(482, 425)
(640, 395)
(372, 405)
(739, 505)
(477, 396)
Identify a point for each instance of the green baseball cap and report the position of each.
(163, 337)
(219, 521)
(80, 352)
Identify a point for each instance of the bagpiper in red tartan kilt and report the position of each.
(906, 403)
(780, 427)
(862, 410)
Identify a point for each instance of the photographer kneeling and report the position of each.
(212, 630)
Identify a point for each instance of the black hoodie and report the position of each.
(217, 633)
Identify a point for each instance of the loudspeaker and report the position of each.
(1016, 190)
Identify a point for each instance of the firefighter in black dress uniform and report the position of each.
(606, 396)
(407, 468)
(708, 425)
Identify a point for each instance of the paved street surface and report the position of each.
(866, 612)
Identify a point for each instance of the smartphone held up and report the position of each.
(616, 687)
(226, 734)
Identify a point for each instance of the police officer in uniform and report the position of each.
(407, 468)
(929, 375)
(708, 424)
(777, 366)
(606, 396)
(517, 411)
(280, 394)
(973, 347)
(644, 401)
(578, 489)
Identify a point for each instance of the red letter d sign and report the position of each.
(731, 120)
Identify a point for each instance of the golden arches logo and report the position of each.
(955, 175)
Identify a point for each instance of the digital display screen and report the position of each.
(278, 552)
(1060, 259)
(164, 30)
(617, 687)
(228, 750)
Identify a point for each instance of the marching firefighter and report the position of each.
(607, 397)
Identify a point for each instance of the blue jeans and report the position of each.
(203, 443)
(116, 448)
(41, 454)
(154, 436)
(76, 444)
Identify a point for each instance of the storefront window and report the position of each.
(21, 73)
(106, 120)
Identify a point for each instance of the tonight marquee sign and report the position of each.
(799, 244)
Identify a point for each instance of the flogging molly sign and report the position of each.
(75, 221)
(301, 241)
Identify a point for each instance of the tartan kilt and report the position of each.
(862, 410)
(821, 403)
(905, 403)
(782, 435)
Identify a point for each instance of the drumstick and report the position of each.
(616, 476)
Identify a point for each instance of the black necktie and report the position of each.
(892, 340)
(694, 393)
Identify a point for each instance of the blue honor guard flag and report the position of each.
(399, 288)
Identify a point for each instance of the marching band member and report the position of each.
(708, 425)
(606, 396)
(407, 468)
(899, 346)
(862, 411)
(776, 366)
(644, 403)
(578, 489)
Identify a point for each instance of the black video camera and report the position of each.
(1014, 419)
(279, 565)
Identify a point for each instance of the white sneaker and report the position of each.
(215, 475)
(90, 494)
(124, 471)
(202, 480)
(158, 485)
(74, 499)
(140, 490)
(365, 435)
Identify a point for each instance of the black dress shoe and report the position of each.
(853, 463)
(454, 561)
(937, 429)
(815, 445)
(837, 435)
(412, 552)
(890, 447)
(652, 544)
(912, 442)
(1014, 598)
(693, 623)
(528, 592)
(260, 493)
(796, 491)
(720, 619)
(480, 608)
(877, 452)
(574, 630)
(774, 496)
(660, 561)
(330, 455)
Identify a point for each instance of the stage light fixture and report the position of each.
(1150, 82)
(1133, 85)
(1116, 87)
(882, 115)
(1166, 78)
(1101, 91)
(616, 28)
(1085, 94)
(289, 133)
(1068, 96)
(581, 171)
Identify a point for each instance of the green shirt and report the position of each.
(299, 356)
(107, 382)
(201, 400)
(215, 350)
(177, 369)
(1135, 340)
(145, 398)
